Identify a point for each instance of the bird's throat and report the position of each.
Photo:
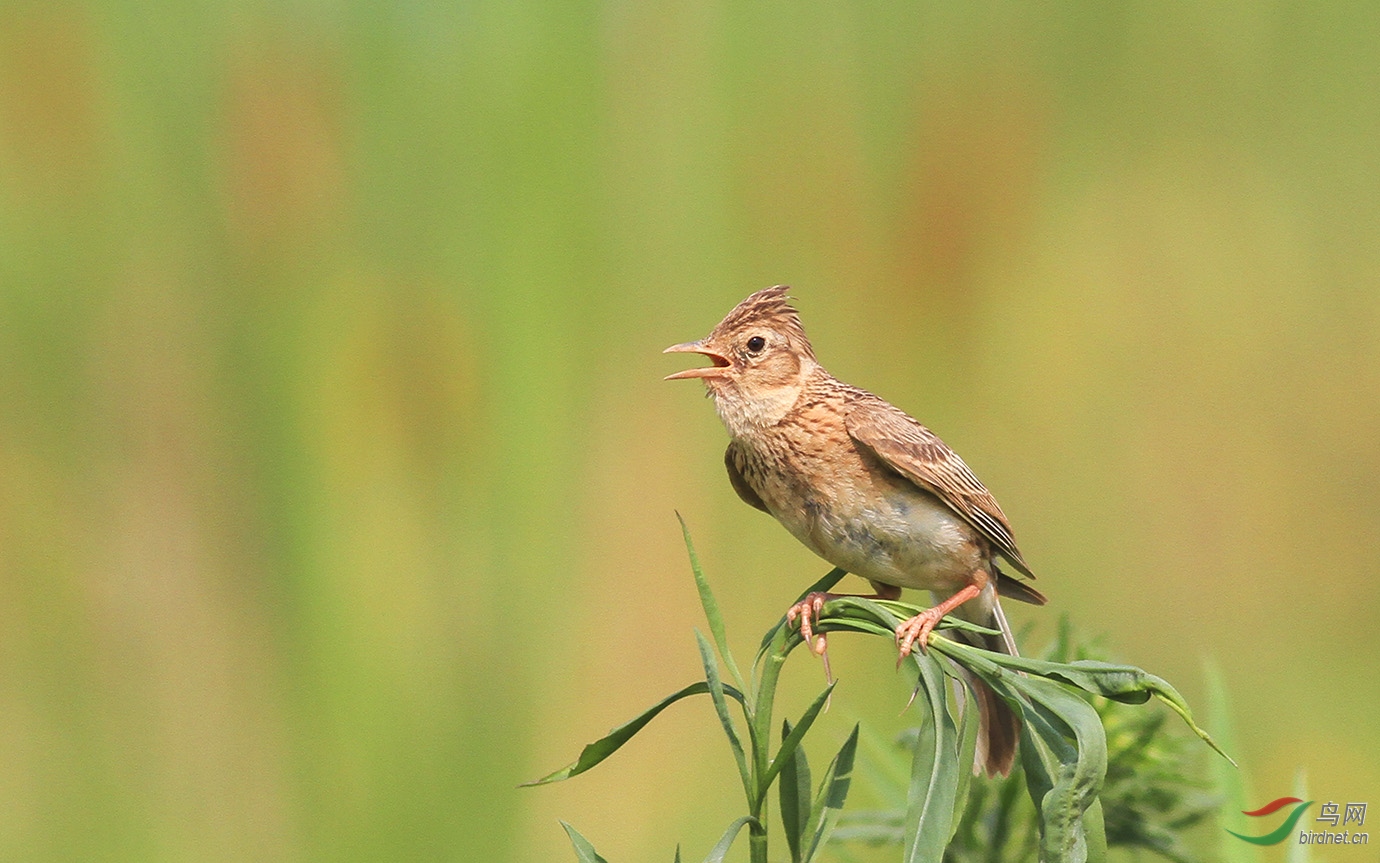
(743, 414)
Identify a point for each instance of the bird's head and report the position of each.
(761, 361)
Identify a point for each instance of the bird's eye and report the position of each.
(755, 344)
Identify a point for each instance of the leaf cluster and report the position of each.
(1151, 793)
(1064, 756)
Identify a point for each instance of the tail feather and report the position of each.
(999, 733)
(999, 728)
(1019, 590)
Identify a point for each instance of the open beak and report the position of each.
(720, 361)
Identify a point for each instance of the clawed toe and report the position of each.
(915, 632)
(808, 610)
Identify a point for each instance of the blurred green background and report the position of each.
(337, 476)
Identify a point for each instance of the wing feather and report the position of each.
(739, 482)
(918, 454)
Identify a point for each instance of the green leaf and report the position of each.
(716, 692)
(907, 610)
(833, 792)
(934, 770)
(862, 609)
(1075, 774)
(720, 850)
(1096, 832)
(583, 850)
(1076, 779)
(1124, 683)
(792, 741)
(795, 795)
(1036, 759)
(605, 746)
(845, 624)
(967, 749)
(711, 608)
(1146, 799)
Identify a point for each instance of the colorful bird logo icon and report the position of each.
(1276, 836)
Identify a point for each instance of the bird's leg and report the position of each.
(916, 631)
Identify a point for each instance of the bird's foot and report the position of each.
(915, 632)
(807, 610)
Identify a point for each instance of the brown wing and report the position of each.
(918, 454)
(740, 485)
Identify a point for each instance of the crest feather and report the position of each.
(768, 307)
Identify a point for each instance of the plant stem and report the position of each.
(757, 842)
(759, 716)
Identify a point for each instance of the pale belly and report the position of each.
(912, 540)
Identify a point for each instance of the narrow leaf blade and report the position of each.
(1125, 683)
(605, 746)
(584, 851)
(934, 770)
(1068, 833)
(832, 795)
(967, 749)
(792, 741)
(711, 607)
(1073, 733)
(716, 692)
(795, 795)
(720, 850)
(1095, 828)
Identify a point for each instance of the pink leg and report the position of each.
(916, 631)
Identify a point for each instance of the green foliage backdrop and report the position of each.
(336, 471)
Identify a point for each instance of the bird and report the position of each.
(865, 486)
